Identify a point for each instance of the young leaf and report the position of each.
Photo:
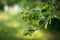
(50, 21)
(46, 25)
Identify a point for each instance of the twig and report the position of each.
(44, 22)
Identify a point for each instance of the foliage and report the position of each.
(40, 15)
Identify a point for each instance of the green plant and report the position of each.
(41, 15)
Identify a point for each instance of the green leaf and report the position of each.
(44, 7)
(46, 25)
(29, 31)
(35, 22)
(50, 21)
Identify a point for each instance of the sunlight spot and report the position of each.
(39, 34)
(6, 8)
(28, 37)
(20, 33)
(4, 17)
(13, 24)
(16, 7)
(13, 10)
